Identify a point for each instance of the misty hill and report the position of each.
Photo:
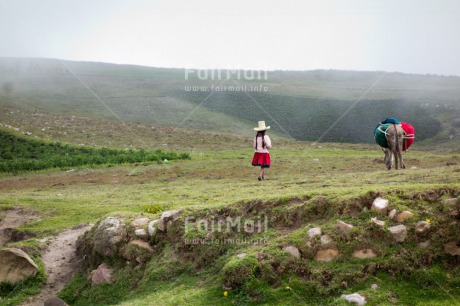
(299, 104)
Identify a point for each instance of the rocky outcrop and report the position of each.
(141, 244)
(403, 216)
(380, 206)
(140, 222)
(378, 222)
(451, 201)
(152, 228)
(354, 298)
(166, 219)
(424, 244)
(54, 301)
(392, 214)
(326, 255)
(141, 233)
(326, 240)
(452, 248)
(364, 254)
(292, 250)
(399, 232)
(313, 232)
(103, 274)
(422, 227)
(109, 236)
(16, 266)
(343, 227)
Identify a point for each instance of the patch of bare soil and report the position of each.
(13, 218)
(60, 262)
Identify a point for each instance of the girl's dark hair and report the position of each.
(261, 133)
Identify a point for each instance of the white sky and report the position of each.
(412, 36)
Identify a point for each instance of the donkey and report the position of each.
(395, 137)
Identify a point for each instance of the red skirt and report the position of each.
(261, 160)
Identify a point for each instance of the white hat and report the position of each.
(261, 127)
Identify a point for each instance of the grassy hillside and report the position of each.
(306, 187)
(307, 118)
(304, 104)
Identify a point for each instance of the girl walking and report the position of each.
(261, 145)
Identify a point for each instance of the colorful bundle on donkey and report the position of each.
(410, 135)
(381, 128)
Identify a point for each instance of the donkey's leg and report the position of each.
(403, 166)
(396, 159)
(388, 158)
(385, 160)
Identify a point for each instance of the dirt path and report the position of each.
(13, 218)
(59, 258)
(60, 263)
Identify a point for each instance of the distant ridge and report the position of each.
(302, 104)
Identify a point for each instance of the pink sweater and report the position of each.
(259, 149)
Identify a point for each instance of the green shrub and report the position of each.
(21, 154)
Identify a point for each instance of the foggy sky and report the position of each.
(413, 36)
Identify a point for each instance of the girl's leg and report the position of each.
(261, 174)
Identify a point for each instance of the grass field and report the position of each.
(214, 179)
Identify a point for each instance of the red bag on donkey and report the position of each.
(410, 135)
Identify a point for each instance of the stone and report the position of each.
(170, 215)
(452, 248)
(380, 206)
(364, 254)
(152, 228)
(169, 224)
(326, 240)
(54, 301)
(161, 225)
(403, 216)
(422, 227)
(378, 222)
(343, 227)
(140, 232)
(375, 286)
(313, 232)
(424, 244)
(326, 255)
(108, 236)
(141, 244)
(242, 255)
(16, 266)
(392, 214)
(451, 201)
(140, 222)
(354, 298)
(292, 250)
(399, 232)
(166, 218)
(103, 274)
